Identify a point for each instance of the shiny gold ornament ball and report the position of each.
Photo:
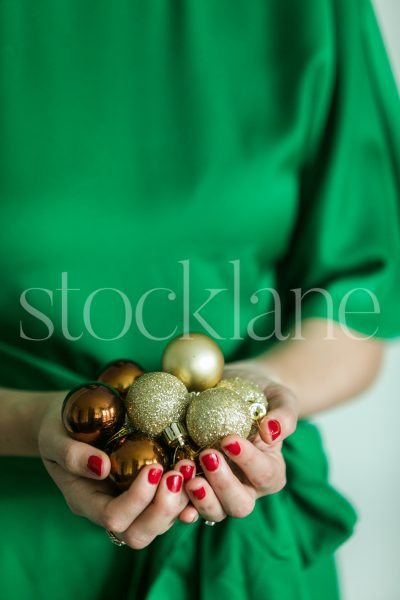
(154, 401)
(215, 413)
(130, 454)
(249, 391)
(189, 451)
(120, 374)
(196, 360)
(92, 413)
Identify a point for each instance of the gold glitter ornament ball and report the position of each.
(215, 413)
(249, 391)
(154, 401)
(195, 359)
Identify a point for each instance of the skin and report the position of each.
(299, 377)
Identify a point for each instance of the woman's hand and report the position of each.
(147, 509)
(155, 500)
(249, 469)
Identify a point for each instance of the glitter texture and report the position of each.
(215, 413)
(156, 400)
(247, 389)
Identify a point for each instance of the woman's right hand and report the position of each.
(147, 509)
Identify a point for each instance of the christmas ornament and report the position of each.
(155, 401)
(250, 392)
(196, 360)
(216, 413)
(130, 454)
(125, 430)
(178, 441)
(120, 374)
(189, 451)
(92, 413)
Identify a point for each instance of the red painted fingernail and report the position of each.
(154, 476)
(233, 448)
(95, 464)
(200, 493)
(174, 483)
(210, 461)
(274, 428)
(187, 471)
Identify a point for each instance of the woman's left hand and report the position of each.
(245, 470)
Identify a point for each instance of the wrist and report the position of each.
(23, 415)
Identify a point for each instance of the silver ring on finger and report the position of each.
(113, 539)
(210, 523)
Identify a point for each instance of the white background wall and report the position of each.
(363, 441)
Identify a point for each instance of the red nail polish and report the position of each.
(200, 493)
(210, 461)
(187, 471)
(274, 429)
(233, 448)
(95, 464)
(154, 476)
(174, 483)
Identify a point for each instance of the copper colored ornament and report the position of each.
(120, 374)
(92, 413)
(130, 454)
(195, 359)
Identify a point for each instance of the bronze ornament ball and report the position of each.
(92, 413)
(130, 454)
(195, 359)
(120, 374)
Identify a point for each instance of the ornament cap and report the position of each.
(175, 434)
(258, 410)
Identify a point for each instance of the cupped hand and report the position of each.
(242, 471)
(147, 509)
(234, 476)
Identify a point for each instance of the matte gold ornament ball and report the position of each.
(130, 454)
(154, 401)
(92, 413)
(195, 359)
(215, 413)
(120, 374)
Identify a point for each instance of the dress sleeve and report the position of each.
(347, 238)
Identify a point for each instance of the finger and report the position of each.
(236, 499)
(75, 457)
(168, 503)
(97, 502)
(204, 500)
(264, 471)
(281, 418)
(187, 468)
(189, 515)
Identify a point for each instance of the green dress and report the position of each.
(169, 163)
